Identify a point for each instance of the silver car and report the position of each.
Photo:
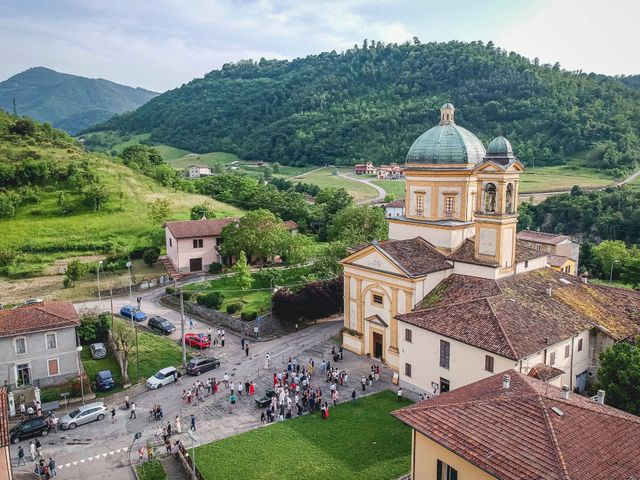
(84, 414)
(98, 350)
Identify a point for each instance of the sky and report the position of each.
(161, 44)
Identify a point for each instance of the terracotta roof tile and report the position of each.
(524, 253)
(290, 225)
(416, 256)
(395, 204)
(198, 228)
(466, 253)
(541, 237)
(557, 260)
(544, 372)
(514, 434)
(36, 317)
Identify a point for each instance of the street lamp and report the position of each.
(611, 271)
(99, 295)
(79, 349)
(193, 454)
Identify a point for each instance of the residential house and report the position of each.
(197, 171)
(513, 426)
(193, 245)
(38, 344)
(389, 172)
(291, 226)
(364, 169)
(394, 209)
(563, 252)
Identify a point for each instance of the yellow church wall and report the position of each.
(424, 460)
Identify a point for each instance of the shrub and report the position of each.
(150, 256)
(215, 267)
(211, 300)
(170, 290)
(249, 315)
(187, 296)
(234, 307)
(314, 300)
(74, 272)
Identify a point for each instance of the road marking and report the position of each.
(96, 457)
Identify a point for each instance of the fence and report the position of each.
(187, 461)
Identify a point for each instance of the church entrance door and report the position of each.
(377, 345)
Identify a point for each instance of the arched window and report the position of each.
(490, 198)
(509, 199)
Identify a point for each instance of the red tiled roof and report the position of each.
(516, 316)
(541, 237)
(395, 204)
(415, 256)
(198, 228)
(557, 260)
(290, 225)
(516, 434)
(36, 317)
(544, 372)
(466, 253)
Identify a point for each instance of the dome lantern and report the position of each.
(446, 113)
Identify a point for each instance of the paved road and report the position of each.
(381, 191)
(98, 450)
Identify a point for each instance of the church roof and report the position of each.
(415, 257)
(465, 254)
(522, 314)
(529, 431)
(541, 237)
(446, 144)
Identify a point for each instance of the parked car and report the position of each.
(129, 311)
(197, 340)
(161, 325)
(163, 377)
(105, 381)
(98, 350)
(34, 427)
(84, 414)
(199, 365)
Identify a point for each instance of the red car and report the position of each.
(197, 340)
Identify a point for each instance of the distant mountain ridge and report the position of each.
(68, 102)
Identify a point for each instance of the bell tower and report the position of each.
(496, 215)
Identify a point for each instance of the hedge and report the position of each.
(313, 300)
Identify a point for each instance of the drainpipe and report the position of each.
(571, 365)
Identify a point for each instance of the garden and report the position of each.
(361, 442)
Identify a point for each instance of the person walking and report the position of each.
(168, 429)
(52, 467)
(252, 389)
(133, 411)
(240, 388)
(222, 340)
(246, 348)
(190, 323)
(363, 382)
(399, 394)
(113, 414)
(193, 423)
(126, 402)
(21, 455)
(209, 334)
(267, 361)
(54, 423)
(176, 425)
(32, 451)
(242, 342)
(353, 397)
(38, 448)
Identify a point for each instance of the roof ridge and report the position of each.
(504, 333)
(450, 304)
(378, 247)
(554, 440)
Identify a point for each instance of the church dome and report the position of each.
(446, 143)
(500, 146)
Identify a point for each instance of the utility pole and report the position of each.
(15, 112)
(111, 298)
(184, 346)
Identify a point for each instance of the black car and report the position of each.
(161, 325)
(105, 381)
(199, 365)
(34, 427)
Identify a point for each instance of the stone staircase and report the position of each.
(171, 270)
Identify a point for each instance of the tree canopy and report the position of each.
(619, 376)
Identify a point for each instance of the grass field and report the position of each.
(258, 298)
(324, 178)
(358, 443)
(562, 177)
(151, 470)
(156, 352)
(394, 187)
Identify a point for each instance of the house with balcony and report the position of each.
(38, 344)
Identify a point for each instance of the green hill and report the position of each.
(57, 201)
(68, 102)
(371, 102)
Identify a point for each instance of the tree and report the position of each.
(159, 210)
(296, 249)
(389, 197)
(204, 210)
(631, 269)
(610, 256)
(243, 277)
(260, 234)
(95, 195)
(75, 271)
(619, 376)
(327, 264)
(267, 173)
(24, 127)
(121, 340)
(150, 256)
(356, 225)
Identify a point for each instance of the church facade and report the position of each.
(430, 301)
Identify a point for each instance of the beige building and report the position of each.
(454, 296)
(197, 171)
(563, 252)
(513, 426)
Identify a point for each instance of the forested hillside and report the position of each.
(372, 101)
(68, 102)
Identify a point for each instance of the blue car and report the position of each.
(105, 381)
(129, 311)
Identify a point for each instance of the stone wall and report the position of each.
(268, 327)
(145, 285)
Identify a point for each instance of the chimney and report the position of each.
(584, 278)
(545, 340)
(600, 397)
(549, 291)
(506, 382)
(565, 392)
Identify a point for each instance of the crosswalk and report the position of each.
(100, 456)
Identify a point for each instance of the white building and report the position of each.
(197, 171)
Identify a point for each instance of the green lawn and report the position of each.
(156, 352)
(364, 442)
(395, 187)
(151, 470)
(259, 297)
(562, 177)
(325, 178)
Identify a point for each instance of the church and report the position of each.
(453, 296)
